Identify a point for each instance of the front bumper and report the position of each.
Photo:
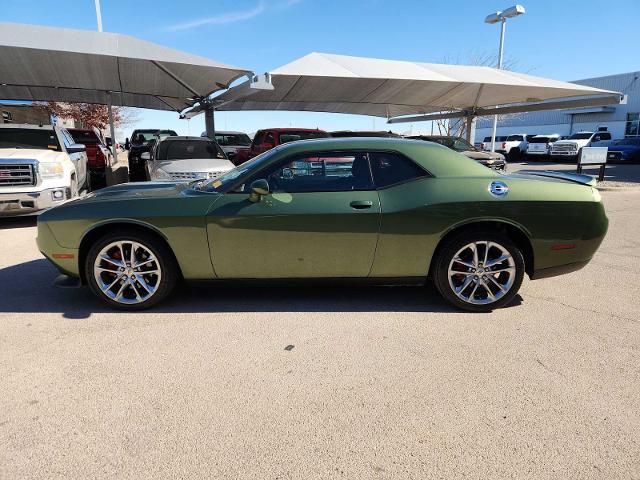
(25, 203)
(64, 259)
(564, 153)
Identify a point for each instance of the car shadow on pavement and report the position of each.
(18, 222)
(27, 288)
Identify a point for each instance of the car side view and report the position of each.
(381, 210)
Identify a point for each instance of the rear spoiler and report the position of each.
(567, 176)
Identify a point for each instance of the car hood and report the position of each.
(624, 148)
(133, 190)
(194, 165)
(571, 142)
(483, 155)
(40, 154)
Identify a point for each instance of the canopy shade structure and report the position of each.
(321, 82)
(67, 65)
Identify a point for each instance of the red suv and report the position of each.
(98, 155)
(272, 137)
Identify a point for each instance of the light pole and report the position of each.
(501, 17)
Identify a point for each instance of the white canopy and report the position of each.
(61, 64)
(321, 82)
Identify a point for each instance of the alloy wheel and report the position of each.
(127, 272)
(481, 272)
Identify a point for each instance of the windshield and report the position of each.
(628, 141)
(29, 138)
(457, 144)
(220, 183)
(514, 138)
(144, 136)
(292, 136)
(580, 136)
(187, 149)
(86, 137)
(235, 139)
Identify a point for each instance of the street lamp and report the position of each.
(501, 17)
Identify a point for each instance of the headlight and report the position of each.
(51, 170)
(160, 174)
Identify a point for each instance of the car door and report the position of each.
(79, 159)
(320, 219)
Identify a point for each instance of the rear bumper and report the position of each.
(558, 270)
(24, 203)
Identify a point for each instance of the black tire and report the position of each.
(450, 249)
(165, 258)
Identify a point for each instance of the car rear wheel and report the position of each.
(130, 270)
(479, 271)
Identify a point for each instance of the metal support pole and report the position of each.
(495, 117)
(471, 128)
(210, 122)
(98, 15)
(112, 128)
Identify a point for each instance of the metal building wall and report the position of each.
(626, 83)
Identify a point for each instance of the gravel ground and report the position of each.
(324, 382)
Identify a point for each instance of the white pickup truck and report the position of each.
(40, 167)
(571, 146)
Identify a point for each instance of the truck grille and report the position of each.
(564, 148)
(193, 175)
(16, 175)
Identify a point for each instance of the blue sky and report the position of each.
(561, 39)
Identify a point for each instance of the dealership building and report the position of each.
(622, 120)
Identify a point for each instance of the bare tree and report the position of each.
(457, 127)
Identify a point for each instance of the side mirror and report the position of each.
(127, 144)
(259, 188)
(145, 156)
(76, 148)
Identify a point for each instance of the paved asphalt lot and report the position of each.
(380, 382)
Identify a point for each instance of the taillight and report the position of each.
(482, 146)
(504, 145)
(100, 158)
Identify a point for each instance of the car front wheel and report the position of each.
(479, 271)
(130, 270)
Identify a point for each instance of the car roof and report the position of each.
(431, 136)
(293, 130)
(27, 125)
(180, 137)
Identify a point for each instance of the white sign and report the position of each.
(593, 156)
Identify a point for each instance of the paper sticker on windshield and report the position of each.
(216, 184)
(52, 147)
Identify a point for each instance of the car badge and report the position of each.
(498, 188)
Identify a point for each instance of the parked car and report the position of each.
(492, 160)
(40, 167)
(624, 150)
(540, 145)
(186, 159)
(405, 211)
(515, 146)
(571, 147)
(486, 144)
(270, 138)
(362, 133)
(142, 141)
(231, 142)
(98, 155)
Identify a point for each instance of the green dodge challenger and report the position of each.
(382, 210)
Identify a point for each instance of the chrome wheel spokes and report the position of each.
(127, 272)
(481, 272)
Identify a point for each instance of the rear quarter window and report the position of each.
(390, 168)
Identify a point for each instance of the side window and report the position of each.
(257, 140)
(605, 136)
(325, 172)
(391, 168)
(595, 138)
(269, 139)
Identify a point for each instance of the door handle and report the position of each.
(361, 204)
